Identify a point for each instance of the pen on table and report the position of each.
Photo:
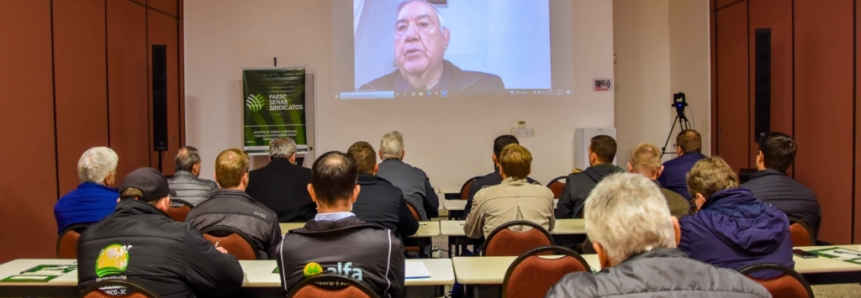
(848, 253)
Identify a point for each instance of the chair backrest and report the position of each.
(790, 284)
(178, 213)
(557, 185)
(504, 241)
(800, 233)
(234, 241)
(116, 288)
(67, 243)
(531, 276)
(464, 190)
(331, 286)
(418, 218)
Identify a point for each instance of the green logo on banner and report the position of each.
(255, 103)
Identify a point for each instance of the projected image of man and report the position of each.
(421, 39)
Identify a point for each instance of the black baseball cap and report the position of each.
(151, 182)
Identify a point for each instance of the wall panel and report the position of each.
(857, 221)
(824, 110)
(162, 29)
(127, 86)
(80, 81)
(732, 86)
(166, 6)
(28, 184)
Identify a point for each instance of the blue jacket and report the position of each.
(735, 230)
(89, 203)
(675, 171)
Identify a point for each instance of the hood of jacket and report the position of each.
(598, 172)
(744, 222)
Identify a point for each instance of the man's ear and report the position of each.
(245, 179)
(376, 169)
(403, 153)
(380, 152)
(678, 229)
(602, 255)
(356, 192)
(293, 158)
(215, 178)
(493, 158)
(660, 171)
(630, 168)
(447, 35)
(311, 192)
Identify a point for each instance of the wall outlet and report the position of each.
(521, 124)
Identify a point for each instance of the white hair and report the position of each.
(627, 214)
(435, 9)
(96, 163)
(392, 145)
(282, 148)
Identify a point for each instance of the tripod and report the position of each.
(682, 120)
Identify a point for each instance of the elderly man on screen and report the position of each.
(421, 39)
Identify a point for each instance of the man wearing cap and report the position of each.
(141, 244)
(229, 206)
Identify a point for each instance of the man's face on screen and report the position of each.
(419, 41)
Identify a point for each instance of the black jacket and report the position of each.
(236, 209)
(283, 187)
(348, 247)
(168, 257)
(775, 188)
(577, 189)
(382, 203)
(483, 181)
(454, 80)
(662, 272)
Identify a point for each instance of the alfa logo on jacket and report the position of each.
(112, 260)
(342, 269)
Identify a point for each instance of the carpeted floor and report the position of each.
(837, 291)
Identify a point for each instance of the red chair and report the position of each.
(532, 276)
(116, 288)
(67, 244)
(234, 241)
(464, 190)
(320, 287)
(790, 284)
(504, 241)
(557, 185)
(179, 209)
(800, 233)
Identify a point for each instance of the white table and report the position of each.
(460, 205)
(568, 226)
(427, 229)
(258, 275)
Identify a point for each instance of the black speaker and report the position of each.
(762, 84)
(159, 97)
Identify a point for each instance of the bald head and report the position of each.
(333, 179)
(689, 141)
(188, 160)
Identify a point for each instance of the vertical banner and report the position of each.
(274, 101)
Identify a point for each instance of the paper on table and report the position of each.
(416, 270)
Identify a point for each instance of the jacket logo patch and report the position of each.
(113, 259)
(346, 270)
(312, 269)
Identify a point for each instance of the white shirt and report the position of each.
(334, 216)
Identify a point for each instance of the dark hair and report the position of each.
(604, 147)
(778, 151)
(365, 157)
(501, 141)
(333, 177)
(186, 158)
(690, 141)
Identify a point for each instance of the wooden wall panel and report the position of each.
(162, 29)
(857, 221)
(718, 3)
(80, 80)
(28, 182)
(824, 110)
(714, 94)
(127, 86)
(732, 86)
(166, 6)
(777, 15)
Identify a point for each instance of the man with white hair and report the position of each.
(412, 181)
(282, 185)
(95, 198)
(631, 228)
(421, 39)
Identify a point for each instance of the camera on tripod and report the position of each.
(679, 102)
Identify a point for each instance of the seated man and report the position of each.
(230, 206)
(337, 242)
(688, 145)
(513, 199)
(646, 161)
(492, 178)
(281, 184)
(602, 151)
(732, 229)
(635, 237)
(412, 181)
(94, 199)
(772, 186)
(141, 244)
(185, 181)
(380, 202)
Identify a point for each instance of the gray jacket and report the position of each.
(662, 272)
(236, 209)
(413, 182)
(191, 189)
